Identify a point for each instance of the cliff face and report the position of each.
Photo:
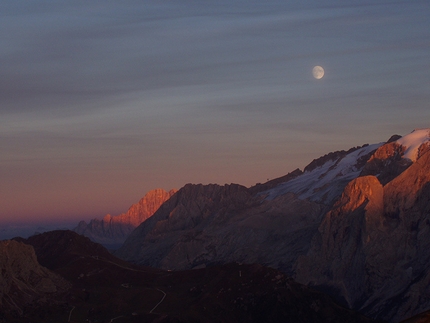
(113, 230)
(372, 248)
(180, 220)
(207, 224)
(387, 162)
(339, 247)
(23, 281)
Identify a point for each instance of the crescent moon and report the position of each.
(318, 72)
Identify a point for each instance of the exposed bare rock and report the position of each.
(408, 191)
(372, 248)
(23, 281)
(204, 224)
(335, 156)
(193, 207)
(337, 258)
(394, 138)
(275, 182)
(113, 230)
(387, 162)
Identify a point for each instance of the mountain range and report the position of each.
(353, 225)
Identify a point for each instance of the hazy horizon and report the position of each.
(102, 102)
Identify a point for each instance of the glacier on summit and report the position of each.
(413, 141)
(324, 183)
(318, 184)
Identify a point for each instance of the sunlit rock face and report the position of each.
(339, 246)
(387, 162)
(371, 250)
(113, 230)
(22, 280)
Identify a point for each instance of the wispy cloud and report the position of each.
(90, 87)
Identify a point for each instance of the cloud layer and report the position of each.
(100, 102)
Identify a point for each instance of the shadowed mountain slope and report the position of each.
(208, 224)
(106, 289)
(24, 284)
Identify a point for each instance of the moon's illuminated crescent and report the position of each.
(318, 72)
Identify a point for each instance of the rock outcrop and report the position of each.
(23, 281)
(207, 224)
(387, 162)
(372, 249)
(338, 248)
(112, 231)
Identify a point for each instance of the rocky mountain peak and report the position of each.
(333, 156)
(393, 138)
(387, 162)
(359, 192)
(394, 157)
(112, 231)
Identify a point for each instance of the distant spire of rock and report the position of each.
(112, 231)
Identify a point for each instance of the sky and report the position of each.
(102, 101)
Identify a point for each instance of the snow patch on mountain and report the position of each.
(326, 182)
(413, 141)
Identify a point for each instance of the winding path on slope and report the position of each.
(162, 299)
(137, 270)
(127, 268)
(70, 314)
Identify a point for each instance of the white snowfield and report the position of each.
(413, 141)
(326, 182)
(323, 184)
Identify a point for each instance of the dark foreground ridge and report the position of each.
(102, 288)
